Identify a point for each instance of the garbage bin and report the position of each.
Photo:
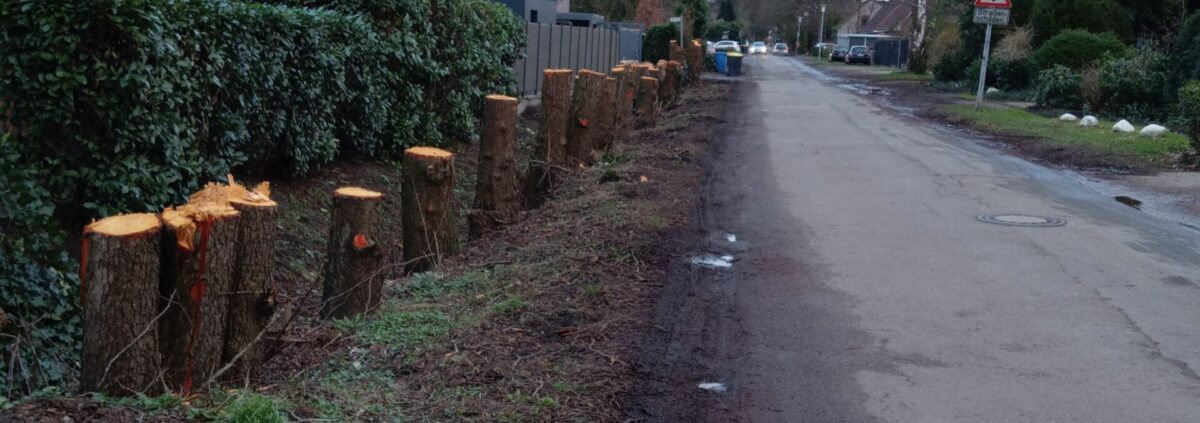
(735, 64)
(722, 62)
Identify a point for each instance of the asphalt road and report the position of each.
(865, 288)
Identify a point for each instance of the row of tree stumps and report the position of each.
(181, 299)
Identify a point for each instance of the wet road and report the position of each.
(865, 288)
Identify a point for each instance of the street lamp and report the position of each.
(821, 36)
(799, 23)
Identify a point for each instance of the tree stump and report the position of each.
(550, 146)
(647, 100)
(673, 51)
(495, 185)
(354, 259)
(252, 301)
(199, 247)
(586, 103)
(696, 60)
(429, 211)
(670, 84)
(626, 92)
(118, 286)
(607, 114)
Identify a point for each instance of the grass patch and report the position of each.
(510, 306)
(1128, 149)
(249, 407)
(396, 328)
(904, 76)
(431, 285)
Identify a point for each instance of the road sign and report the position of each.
(991, 16)
(1000, 4)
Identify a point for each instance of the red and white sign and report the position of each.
(995, 4)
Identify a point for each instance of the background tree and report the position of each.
(725, 11)
(1098, 16)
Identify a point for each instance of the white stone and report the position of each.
(993, 90)
(1154, 131)
(1067, 117)
(1089, 121)
(1124, 126)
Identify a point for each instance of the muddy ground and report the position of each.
(547, 320)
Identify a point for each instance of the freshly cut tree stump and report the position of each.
(199, 249)
(429, 211)
(674, 51)
(626, 92)
(607, 115)
(496, 202)
(252, 298)
(670, 83)
(695, 60)
(118, 284)
(550, 146)
(354, 259)
(586, 103)
(647, 101)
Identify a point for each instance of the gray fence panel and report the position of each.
(575, 48)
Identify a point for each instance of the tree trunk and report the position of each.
(607, 114)
(626, 92)
(199, 247)
(696, 61)
(252, 302)
(429, 211)
(118, 286)
(354, 259)
(550, 147)
(647, 100)
(586, 103)
(496, 182)
(669, 87)
(674, 51)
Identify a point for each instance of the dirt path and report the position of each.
(864, 288)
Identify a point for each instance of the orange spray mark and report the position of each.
(197, 296)
(360, 241)
(583, 122)
(84, 251)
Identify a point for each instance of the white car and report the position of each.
(728, 46)
(758, 47)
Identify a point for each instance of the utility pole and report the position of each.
(799, 23)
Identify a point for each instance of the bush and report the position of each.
(1003, 74)
(1133, 88)
(657, 44)
(1184, 60)
(1058, 88)
(952, 67)
(1188, 113)
(1052, 17)
(130, 105)
(1078, 49)
(718, 28)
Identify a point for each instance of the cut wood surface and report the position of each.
(354, 259)
(496, 202)
(252, 297)
(550, 145)
(647, 101)
(586, 103)
(197, 273)
(429, 211)
(118, 283)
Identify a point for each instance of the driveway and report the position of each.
(865, 287)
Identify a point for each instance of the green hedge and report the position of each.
(657, 44)
(1188, 113)
(1077, 49)
(1058, 88)
(130, 105)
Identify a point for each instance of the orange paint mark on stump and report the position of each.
(197, 295)
(360, 241)
(583, 122)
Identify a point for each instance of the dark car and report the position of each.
(838, 55)
(858, 54)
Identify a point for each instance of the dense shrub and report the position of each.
(1188, 112)
(129, 105)
(1003, 74)
(1133, 88)
(1052, 17)
(697, 13)
(1184, 60)
(952, 67)
(718, 28)
(1058, 88)
(657, 43)
(1078, 49)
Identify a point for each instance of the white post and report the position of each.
(821, 36)
(987, 47)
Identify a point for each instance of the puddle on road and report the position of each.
(864, 89)
(712, 386)
(709, 260)
(731, 237)
(1129, 201)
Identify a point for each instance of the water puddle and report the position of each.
(709, 260)
(1129, 201)
(731, 237)
(864, 89)
(712, 386)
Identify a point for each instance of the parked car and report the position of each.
(780, 48)
(823, 48)
(728, 46)
(858, 54)
(710, 48)
(758, 47)
(839, 54)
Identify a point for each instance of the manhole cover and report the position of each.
(1025, 220)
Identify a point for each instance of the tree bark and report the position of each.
(429, 211)
(626, 92)
(586, 103)
(252, 298)
(669, 87)
(695, 61)
(607, 115)
(496, 183)
(647, 100)
(354, 259)
(199, 246)
(550, 146)
(118, 284)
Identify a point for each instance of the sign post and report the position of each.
(990, 12)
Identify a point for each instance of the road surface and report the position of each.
(864, 288)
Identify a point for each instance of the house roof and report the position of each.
(890, 18)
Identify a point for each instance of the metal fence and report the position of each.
(572, 47)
